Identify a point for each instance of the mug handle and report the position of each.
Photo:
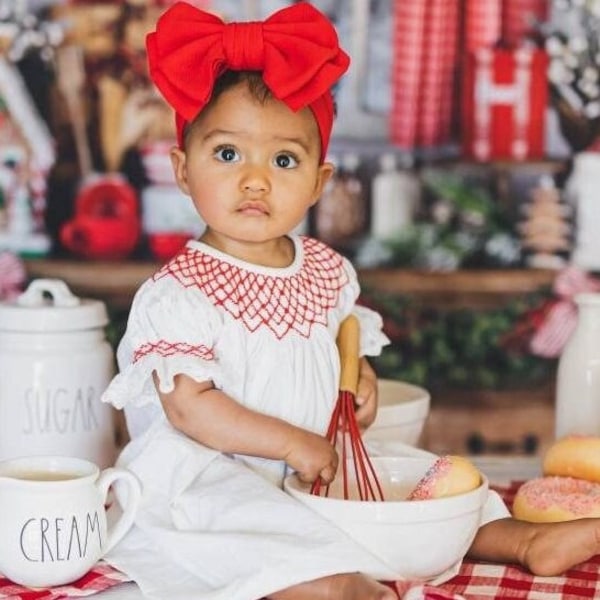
(134, 495)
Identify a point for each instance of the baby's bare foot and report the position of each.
(554, 548)
(345, 586)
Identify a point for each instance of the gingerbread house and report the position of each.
(26, 155)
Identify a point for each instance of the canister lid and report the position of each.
(48, 305)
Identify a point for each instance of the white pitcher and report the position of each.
(54, 365)
(578, 377)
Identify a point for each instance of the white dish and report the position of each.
(418, 539)
(402, 412)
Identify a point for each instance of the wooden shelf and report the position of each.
(113, 282)
(501, 419)
(116, 282)
(459, 289)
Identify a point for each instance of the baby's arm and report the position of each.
(543, 548)
(216, 420)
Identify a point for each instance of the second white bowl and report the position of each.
(402, 412)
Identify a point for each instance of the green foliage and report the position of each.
(459, 348)
(116, 326)
(465, 198)
(461, 225)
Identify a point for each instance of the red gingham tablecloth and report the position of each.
(476, 580)
(479, 580)
(100, 578)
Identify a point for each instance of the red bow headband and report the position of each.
(296, 49)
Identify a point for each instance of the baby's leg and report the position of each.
(556, 547)
(543, 548)
(350, 586)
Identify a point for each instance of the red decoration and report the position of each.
(296, 49)
(520, 19)
(166, 245)
(545, 329)
(483, 24)
(199, 3)
(504, 104)
(509, 22)
(106, 224)
(425, 34)
(12, 275)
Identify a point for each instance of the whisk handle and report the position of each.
(348, 343)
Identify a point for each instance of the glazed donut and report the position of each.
(574, 456)
(448, 476)
(552, 499)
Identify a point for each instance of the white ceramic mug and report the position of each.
(53, 525)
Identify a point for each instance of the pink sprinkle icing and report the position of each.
(425, 489)
(577, 496)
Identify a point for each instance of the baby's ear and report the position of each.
(326, 171)
(178, 161)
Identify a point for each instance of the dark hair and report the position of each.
(229, 79)
(256, 86)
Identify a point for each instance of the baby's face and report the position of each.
(251, 168)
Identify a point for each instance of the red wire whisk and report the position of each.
(358, 476)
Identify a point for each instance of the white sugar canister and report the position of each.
(55, 363)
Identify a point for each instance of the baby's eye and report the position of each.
(227, 154)
(286, 161)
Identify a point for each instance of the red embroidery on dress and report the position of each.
(282, 303)
(164, 348)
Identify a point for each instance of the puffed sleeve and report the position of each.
(170, 330)
(372, 338)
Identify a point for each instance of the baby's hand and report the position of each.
(366, 396)
(312, 457)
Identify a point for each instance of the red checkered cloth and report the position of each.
(477, 580)
(424, 56)
(100, 578)
(480, 580)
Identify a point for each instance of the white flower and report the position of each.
(578, 44)
(504, 247)
(592, 110)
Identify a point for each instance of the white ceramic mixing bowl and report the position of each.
(403, 409)
(418, 539)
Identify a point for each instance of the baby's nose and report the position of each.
(255, 179)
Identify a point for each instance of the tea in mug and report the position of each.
(44, 475)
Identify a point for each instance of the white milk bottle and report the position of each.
(578, 377)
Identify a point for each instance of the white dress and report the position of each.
(214, 526)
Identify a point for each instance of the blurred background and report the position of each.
(466, 150)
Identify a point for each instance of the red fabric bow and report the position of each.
(561, 317)
(296, 49)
